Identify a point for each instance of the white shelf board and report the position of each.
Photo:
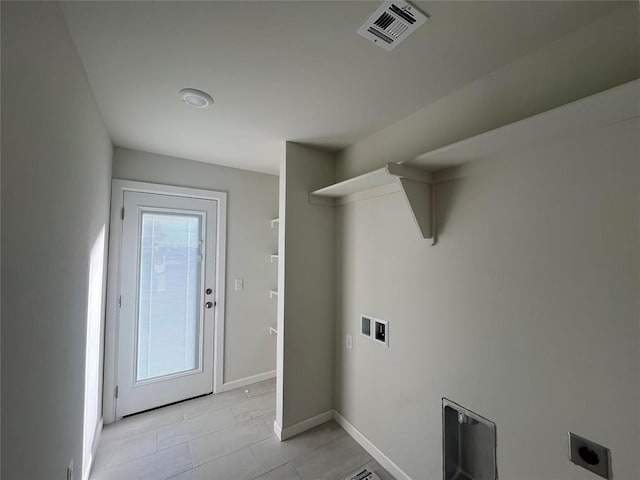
(376, 178)
(386, 175)
(611, 106)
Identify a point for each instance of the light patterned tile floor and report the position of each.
(227, 436)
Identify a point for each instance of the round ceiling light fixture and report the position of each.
(195, 98)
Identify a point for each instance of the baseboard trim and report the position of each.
(364, 442)
(97, 435)
(374, 451)
(243, 382)
(304, 425)
(277, 429)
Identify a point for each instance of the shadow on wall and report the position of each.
(446, 194)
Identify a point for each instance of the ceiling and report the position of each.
(289, 71)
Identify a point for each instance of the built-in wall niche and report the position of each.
(273, 293)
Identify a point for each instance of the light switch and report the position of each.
(239, 284)
(349, 341)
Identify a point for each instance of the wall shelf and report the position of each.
(615, 105)
(611, 106)
(377, 178)
(415, 183)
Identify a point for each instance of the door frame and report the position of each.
(112, 319)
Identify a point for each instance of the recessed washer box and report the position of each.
(374, 329)
(469, 444)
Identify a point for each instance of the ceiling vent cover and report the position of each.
(391, 23)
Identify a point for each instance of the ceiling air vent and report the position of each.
(391, 23)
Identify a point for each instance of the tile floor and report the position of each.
(227, 436)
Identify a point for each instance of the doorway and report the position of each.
(166, 280)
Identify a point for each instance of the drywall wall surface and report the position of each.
(0, 251)
(56, 172)
(532, 84)
(252, 203)
(306, 309)
(526, 311)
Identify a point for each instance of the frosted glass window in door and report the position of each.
(169, 293)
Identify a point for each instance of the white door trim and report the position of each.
(118, 187)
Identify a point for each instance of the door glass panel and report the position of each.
(169, 295)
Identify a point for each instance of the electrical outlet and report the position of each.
(349, 341)
(70, 470)
(590, 456)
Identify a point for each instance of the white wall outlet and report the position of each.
(70, 470)
(349, 341)
(239, 284)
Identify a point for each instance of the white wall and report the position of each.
(306, 300)
(252, 203)
(55, 200)
(526, 311)
(496, 99)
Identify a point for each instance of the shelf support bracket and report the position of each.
(420, 197)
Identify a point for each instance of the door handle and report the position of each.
(208, 305)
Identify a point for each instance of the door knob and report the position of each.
(208, 305)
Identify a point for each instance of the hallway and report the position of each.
(227, 436)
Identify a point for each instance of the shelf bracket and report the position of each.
(416, 184)
(420, 197)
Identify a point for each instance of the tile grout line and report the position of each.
(233, 451)
(140, 458)
(253, 455)
(203, 434)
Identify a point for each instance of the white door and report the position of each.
(166, 327)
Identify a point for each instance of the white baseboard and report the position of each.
(243, 382)
(374, 451)
(277, 429)
(303, 426)
(97, 435)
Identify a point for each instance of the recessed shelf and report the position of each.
(273, 293)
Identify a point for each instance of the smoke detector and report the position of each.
(195, 98)
(391, 23)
